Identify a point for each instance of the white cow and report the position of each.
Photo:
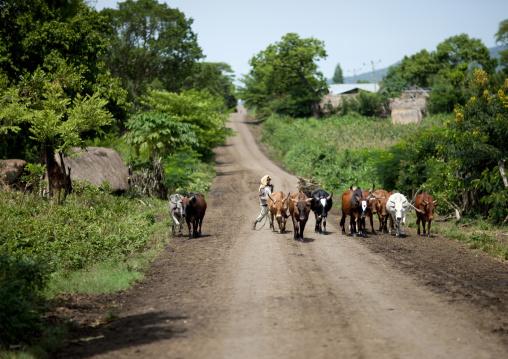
(176, 211)
(397, 206)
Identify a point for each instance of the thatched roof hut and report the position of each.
(10, 171)
(98, 164)
(411, 107)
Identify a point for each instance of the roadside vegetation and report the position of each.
(457, 153)
(71, 76)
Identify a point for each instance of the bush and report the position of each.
(20, 311)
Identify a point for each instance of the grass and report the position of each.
(482, 234)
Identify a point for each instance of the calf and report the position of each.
(194, 208)
(355, 206)
(278, 205)
(381, 200)
(371, 206)
(426, 205)
(397, 207)
(299, 209)
(176, 211)
(320, 205)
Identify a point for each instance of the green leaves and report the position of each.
(150, 42)
(285, 77)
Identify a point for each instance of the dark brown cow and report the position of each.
(355, 206)
(194, 208)
(425, 203)
(278, 204)
(381, 209)
(299, 209)
(371, 206)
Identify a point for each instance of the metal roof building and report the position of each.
(339, 89)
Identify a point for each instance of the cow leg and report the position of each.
(428, 232)
(189, 227)
(200, 221)
(343, 224)
(316, 228)
(324, 225)
(372, 225)
(353, 225)
(302, 227)
(418, 224)
(295, 230)
(424, 223)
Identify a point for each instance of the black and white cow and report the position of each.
(321, 204)
(176, 211)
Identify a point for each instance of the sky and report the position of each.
(356, 33)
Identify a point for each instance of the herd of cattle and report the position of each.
(359, 205)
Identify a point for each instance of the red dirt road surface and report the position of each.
(239, 293)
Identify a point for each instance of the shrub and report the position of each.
(20, 311)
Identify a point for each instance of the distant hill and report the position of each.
(367, 76)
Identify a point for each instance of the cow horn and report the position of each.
(308, 199)
(435, 201)
(315, 197)
(330, 196)
(294, 200)
(424, 201)
(373, 186)
(375, 196)
(286, 198)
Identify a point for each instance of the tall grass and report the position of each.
(337, 151)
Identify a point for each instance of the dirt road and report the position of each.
(239, 293)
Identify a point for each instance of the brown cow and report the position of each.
(278, 205)
(426, 204)
(371, 205)
(299, 209)
(194, 208)
(355, 206)
(381, 209)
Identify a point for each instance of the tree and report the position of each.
(502, 37)
(203, 112)
(54, 120)
(460, 49)
(393, 84)
(47, 34)
(284, 78)
(417, 69)
(338, 77)
(216, 78)
(152, 45)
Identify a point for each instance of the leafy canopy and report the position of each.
(284, 78)
(151, 45)
(185, 113)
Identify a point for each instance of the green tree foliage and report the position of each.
(460, 159)
(201, 111)
(216, 78)
(152, 45)
(46, 34)
(53, 119)
(502, 37)
(159, 134)
(285, 79)
(393, 84)
(417, 68)
(338, 76)
(447, 71)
